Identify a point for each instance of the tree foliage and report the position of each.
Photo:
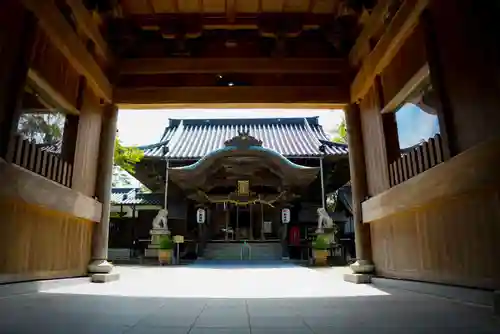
(46, 128)
(341, 136)
(126, 157)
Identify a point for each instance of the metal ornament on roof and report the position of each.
(243, 140)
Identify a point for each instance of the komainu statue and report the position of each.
(324, 221)
(160, 221)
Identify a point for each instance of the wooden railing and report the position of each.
(49, 165)
(417, 160)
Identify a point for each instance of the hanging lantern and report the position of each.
(285, 216)
(200, 216)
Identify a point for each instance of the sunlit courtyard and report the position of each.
(236, 298)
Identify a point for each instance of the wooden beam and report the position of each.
(374, 23)
(67, 41)
(398, 30)
(87, 24)
(21, 184)
(474, 170)
(48, 92)
(168, 96)
(232, 65)
(407, 89)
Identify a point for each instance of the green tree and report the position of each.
(341, 136)
(126, 157)
(42, 128)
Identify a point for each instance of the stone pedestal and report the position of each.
(100, 267)
(105, 278)
(362, 267)
(156, 235)
(361, 272)
(358, 278)
(496, 302)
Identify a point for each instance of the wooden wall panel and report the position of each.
(410, 58)
(454, 241)
(51, 64)
(468, 49)
(36, 243)
(374, 144)
(87, 145)
(35, 189)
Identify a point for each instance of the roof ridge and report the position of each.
(292, 137)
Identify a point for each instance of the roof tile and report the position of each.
(292, 137)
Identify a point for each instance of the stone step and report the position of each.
(233, 251)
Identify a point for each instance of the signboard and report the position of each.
(285, 216)
(200, 216)
(243, 187)
(178, 239)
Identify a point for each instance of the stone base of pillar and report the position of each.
(362, 267)
(100, 267)
(496, 303)
(361, 272)
(105, 278)
(358, 278)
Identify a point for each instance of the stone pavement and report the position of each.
(236, 299)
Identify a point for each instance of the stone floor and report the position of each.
(236, 299)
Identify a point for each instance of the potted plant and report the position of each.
(320, 248)
(165, 250)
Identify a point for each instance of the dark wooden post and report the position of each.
(70, 135)
(99, 263)
(357, 167)
(15, 56)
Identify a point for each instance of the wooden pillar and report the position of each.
(237, 230)
(251, 221)
(227, 222)
(99, 262)
(262, 236)
(86, 159)
(17, 31)
(70, 137)
(359, 189)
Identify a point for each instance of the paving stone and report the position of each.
(219, 330)
(157, 330)
(276, 322)
(222, 321)
(167, 321)
(296, 330)
(264, 300)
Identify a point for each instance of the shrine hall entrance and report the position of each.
(242, 223)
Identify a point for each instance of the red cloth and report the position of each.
(295, 236)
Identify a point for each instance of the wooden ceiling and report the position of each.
(231, 7)
(176, 44)
(145, 23)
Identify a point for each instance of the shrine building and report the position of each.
(242, 173)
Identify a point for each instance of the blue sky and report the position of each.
(141, 127)
(415, 125)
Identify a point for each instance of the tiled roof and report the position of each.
(132, 196)
(292, 137)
